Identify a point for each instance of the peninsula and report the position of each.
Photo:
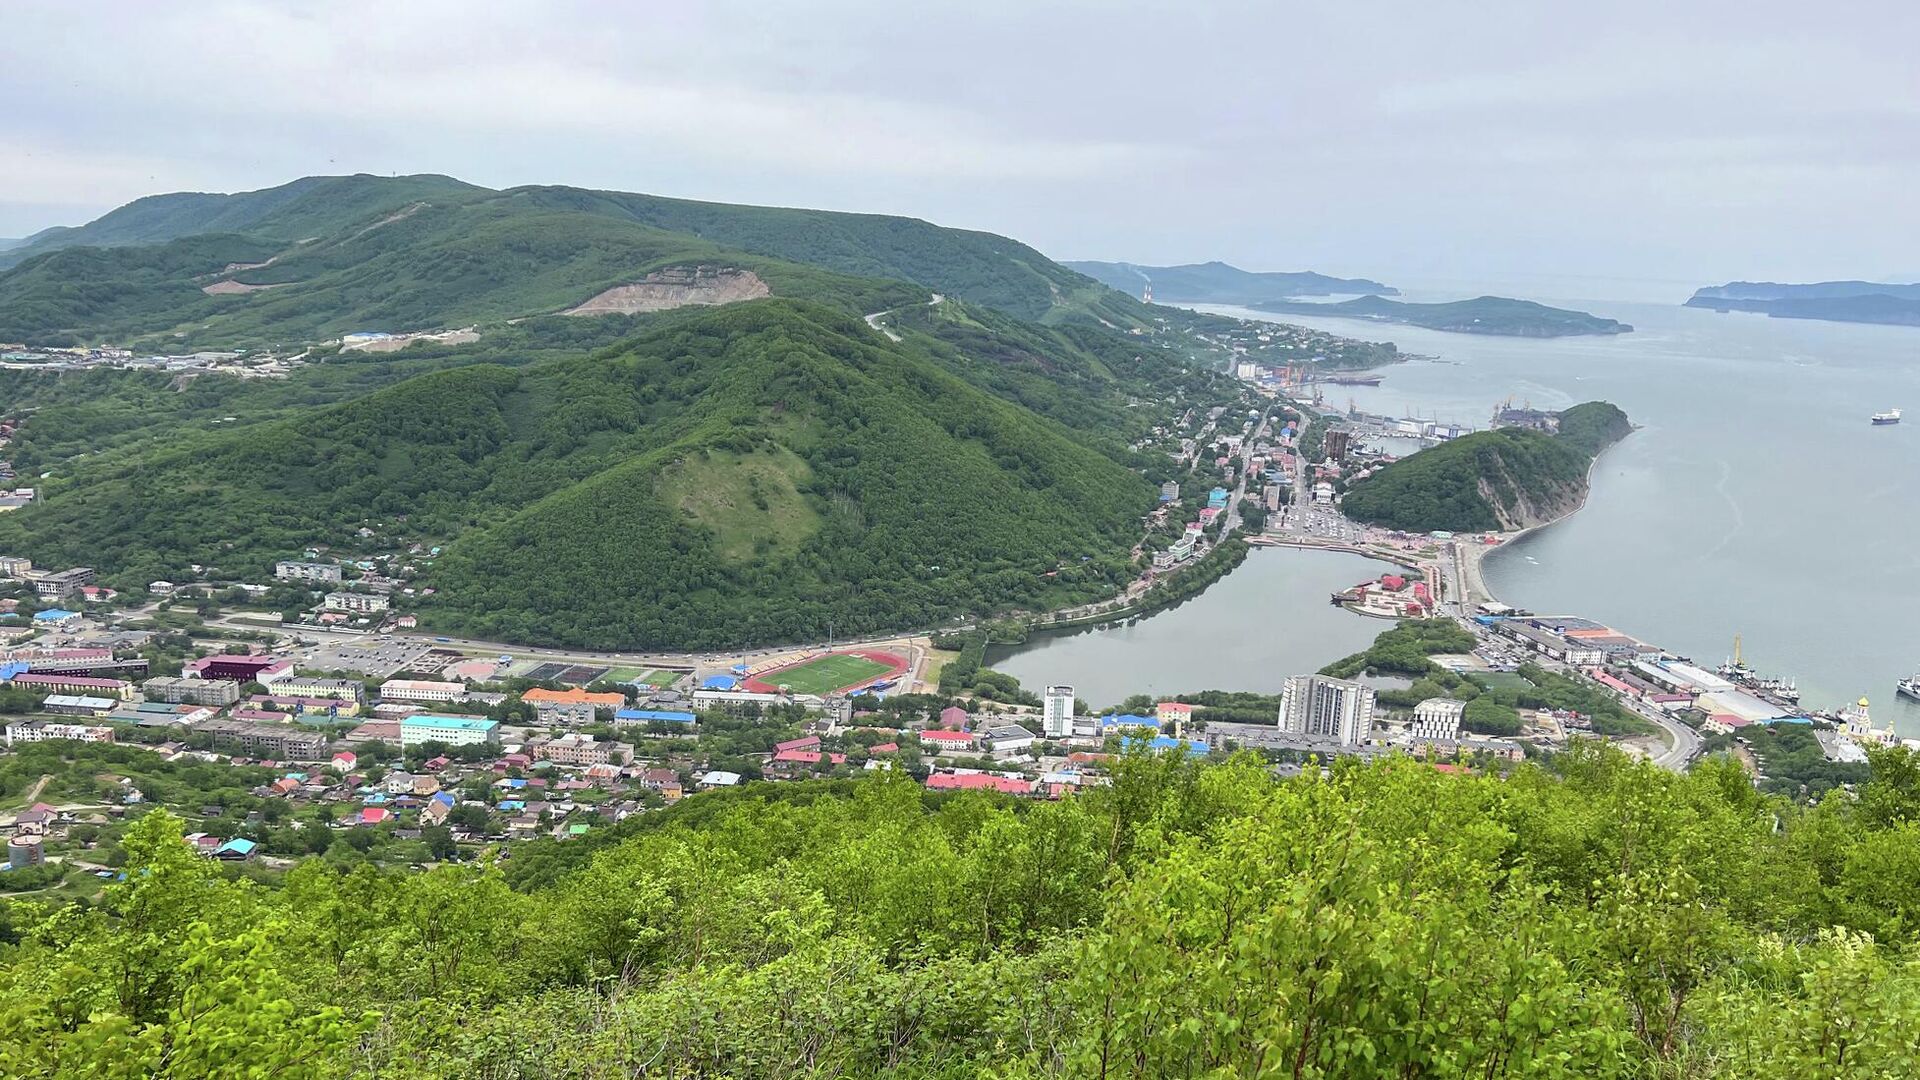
(1508, 478)
(1831, 301)
(1219, 283)
(1497, 315)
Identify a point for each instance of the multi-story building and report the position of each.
(1336, 443)
(452, 730)
(73, 684)
(13, 566)
(59, 584)
(575, 748)
(175, 691)
(310, 687)
(1437, 718)
(1177, 713)
(26, 731)
(421, 690)
(569, 708)
(307, 571)
(1320, 707)
(1056, 717)
(359, 603)
(268, 740)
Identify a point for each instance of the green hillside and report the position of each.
(1497, 315)
(311, 206)
(1507, 478)
(427, 252)
(740, 474)
(1592, 919)
(437, 266)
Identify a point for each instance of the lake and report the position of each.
(1269, 619)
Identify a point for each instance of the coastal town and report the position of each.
(340, 721)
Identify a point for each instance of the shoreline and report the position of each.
(1474, 576)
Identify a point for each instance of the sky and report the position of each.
(1677, 142)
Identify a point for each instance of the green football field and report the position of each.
(826, 674)
(1500, 680)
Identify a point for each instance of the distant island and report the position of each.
(1498, 315)
(1507, 478)
(1832, 301)
(1219, 283)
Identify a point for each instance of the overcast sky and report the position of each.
(1665, 140)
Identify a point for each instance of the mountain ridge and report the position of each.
(1216, 282)
(330, 228)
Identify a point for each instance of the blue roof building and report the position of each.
(720, 682)
(1162, 743)
(643, 716)
(1112, 723)
(236, 848)
(54, 615)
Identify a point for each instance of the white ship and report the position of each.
(1891, 416)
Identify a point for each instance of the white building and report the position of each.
(1320, 707)
(306, 571)
(362, 603)
(421, 690)
(26, 731)
(312, 687)
(452, 730)
(1437, 718)
(1057, 715)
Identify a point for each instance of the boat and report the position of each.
(1355, 380)
(1891, 416)
(1909, 687)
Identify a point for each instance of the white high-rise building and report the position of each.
(1325, 708)
(1057, 720)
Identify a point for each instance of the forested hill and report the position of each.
(325, 254)
(1834, 301)
(1497, 315)
(1507, 478)
(1590, 919)
(752, 473)
(1219, 283)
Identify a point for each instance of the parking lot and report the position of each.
(380, 658)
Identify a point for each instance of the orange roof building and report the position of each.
(575, 696)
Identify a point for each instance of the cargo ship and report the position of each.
(1355, 380)
(1891, 416)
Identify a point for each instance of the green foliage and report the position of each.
(563, 487)
(1404, 649)
(1500, 479)
(1792, 762)
(1602, 919)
